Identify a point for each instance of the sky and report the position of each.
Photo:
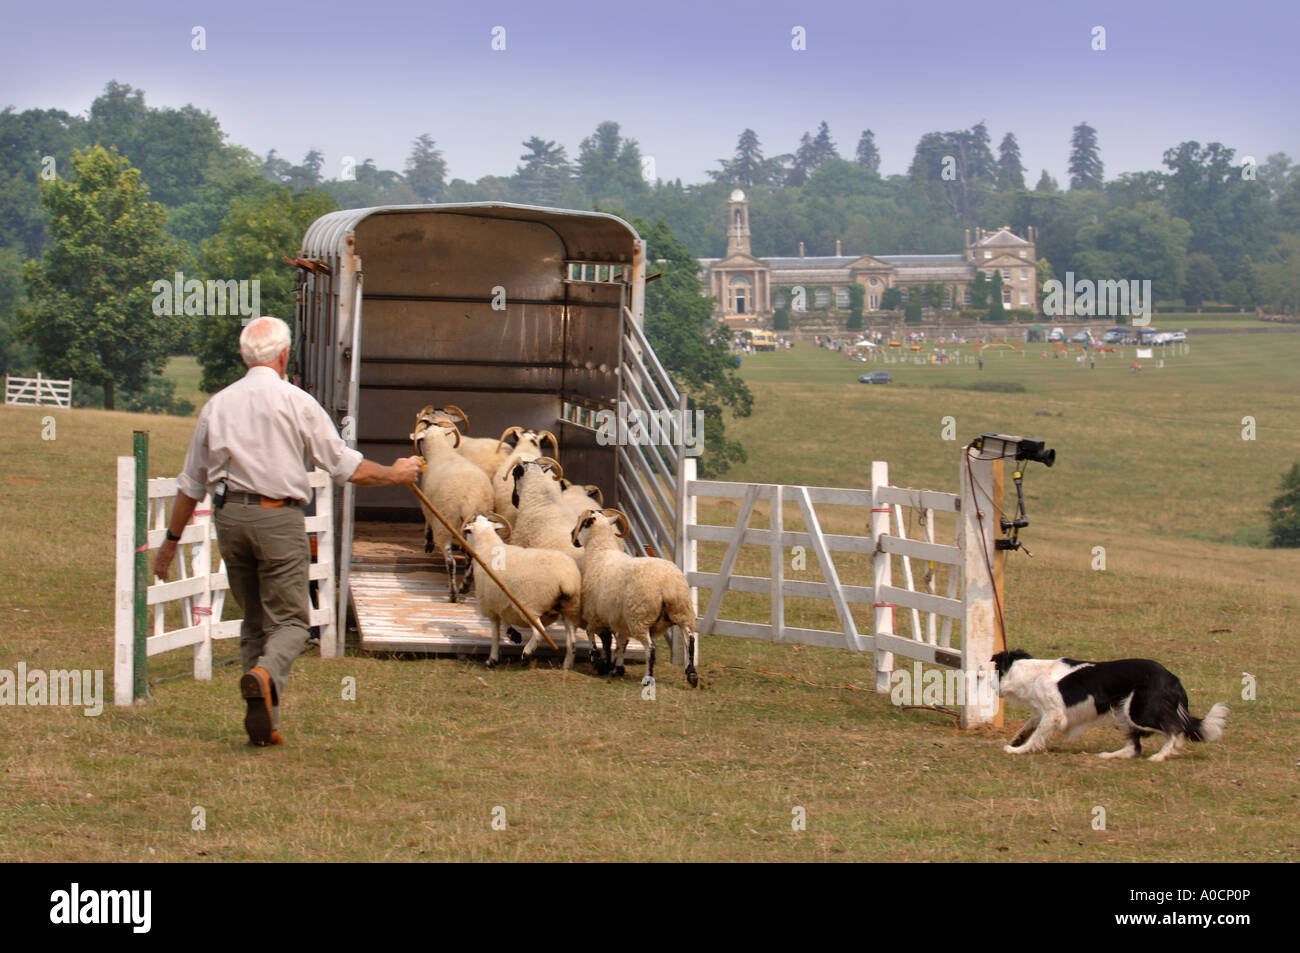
(363, 79)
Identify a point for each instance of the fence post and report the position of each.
(124, 608)
(978, 521)
(140, 449)
(882, 573)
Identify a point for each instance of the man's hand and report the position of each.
(163, 561)
(407, 470)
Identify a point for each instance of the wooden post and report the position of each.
(140, 450)
(999, 592)
(979, 620)
(882, 573)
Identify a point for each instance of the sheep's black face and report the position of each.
(583, 525)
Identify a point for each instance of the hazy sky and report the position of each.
(363, 79)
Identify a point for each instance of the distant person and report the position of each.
(256, 440)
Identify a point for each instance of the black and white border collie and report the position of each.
(1139, 695)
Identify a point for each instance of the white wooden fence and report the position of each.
(968, 597)
(199, 590)
(37, 391)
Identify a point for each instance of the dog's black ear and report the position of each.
(1004, 660)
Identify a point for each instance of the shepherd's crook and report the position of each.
(487, 569)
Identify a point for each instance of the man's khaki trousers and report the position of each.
(267, 556)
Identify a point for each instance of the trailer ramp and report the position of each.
(399, 595)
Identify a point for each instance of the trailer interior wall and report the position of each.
(473, 306)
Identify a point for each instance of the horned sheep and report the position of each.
(547, 583)
(635, 597)
(455, 486)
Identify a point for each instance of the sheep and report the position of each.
(635, 597)
(546, 582)
(544, 521)
(528, 447)
(579, 498)
(484, 452)
(454, 485)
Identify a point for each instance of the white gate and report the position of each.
(38, 390)
(200, 590)
(957, 629)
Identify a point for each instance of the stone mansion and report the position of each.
(744, 285)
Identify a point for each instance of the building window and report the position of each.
(965, 297)
(947, 299)
(1006, 295)
(987, 253)
(742, 300)
(1024, 299)
(874, 282)
(1006, 274)
(1024, 253)
(780, 299)
(821, 298)
(842, 298)
(1024, 274)
(874, 300)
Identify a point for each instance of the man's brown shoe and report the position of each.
(277, 738)
(257, 688)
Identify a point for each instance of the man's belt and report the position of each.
(256, 499)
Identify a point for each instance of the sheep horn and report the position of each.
(451, 410)
(550, 463)
(577, 527)
(500, 521)
(505, 435)
(618, 517)
(546, 434)
(593, 491)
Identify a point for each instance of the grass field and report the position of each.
(1151, 466)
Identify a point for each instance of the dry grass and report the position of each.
(1151, 466)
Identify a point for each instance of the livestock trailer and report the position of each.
(518, 315)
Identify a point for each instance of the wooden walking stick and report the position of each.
(532, 620)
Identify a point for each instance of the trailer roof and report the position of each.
(586, 236)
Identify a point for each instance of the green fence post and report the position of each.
(140, 448)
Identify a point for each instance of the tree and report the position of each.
(1085, 158)
(89, 314)
(694, 348)
(892, 299)
(1046, 183)
(1144, 241)
(1011, 172)
(1202, 282)
(609, 166)
(979, 291)
(868, 155)
(1284, 514)
(545, 178)
(996, 311)
(823, 148)
(748, 168)
(802, 164)
(857, 297)
(426, 171)
(1278, 276)
(252, 238)
(912, 314)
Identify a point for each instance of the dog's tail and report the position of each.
(1209, 728)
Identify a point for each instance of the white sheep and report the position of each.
(528, 447)
(455, 486)
(635, 597)
(546, 582)
(579, 498)
(544, 522)
(486, 453)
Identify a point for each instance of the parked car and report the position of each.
(1058, 334)
(1083, 336)
(876, 377)
(1179, 336)
(1115, 335)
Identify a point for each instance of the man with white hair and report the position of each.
(257, 440)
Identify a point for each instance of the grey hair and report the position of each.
(263, 339)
